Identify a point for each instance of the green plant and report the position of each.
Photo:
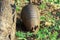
(42, 6)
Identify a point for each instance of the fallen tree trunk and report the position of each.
(7, 20)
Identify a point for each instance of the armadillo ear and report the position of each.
(36, 27)
(32, 29)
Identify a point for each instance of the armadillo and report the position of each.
(30, 17)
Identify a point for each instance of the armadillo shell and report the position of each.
(30, 17)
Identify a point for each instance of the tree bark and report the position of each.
(7, 20)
